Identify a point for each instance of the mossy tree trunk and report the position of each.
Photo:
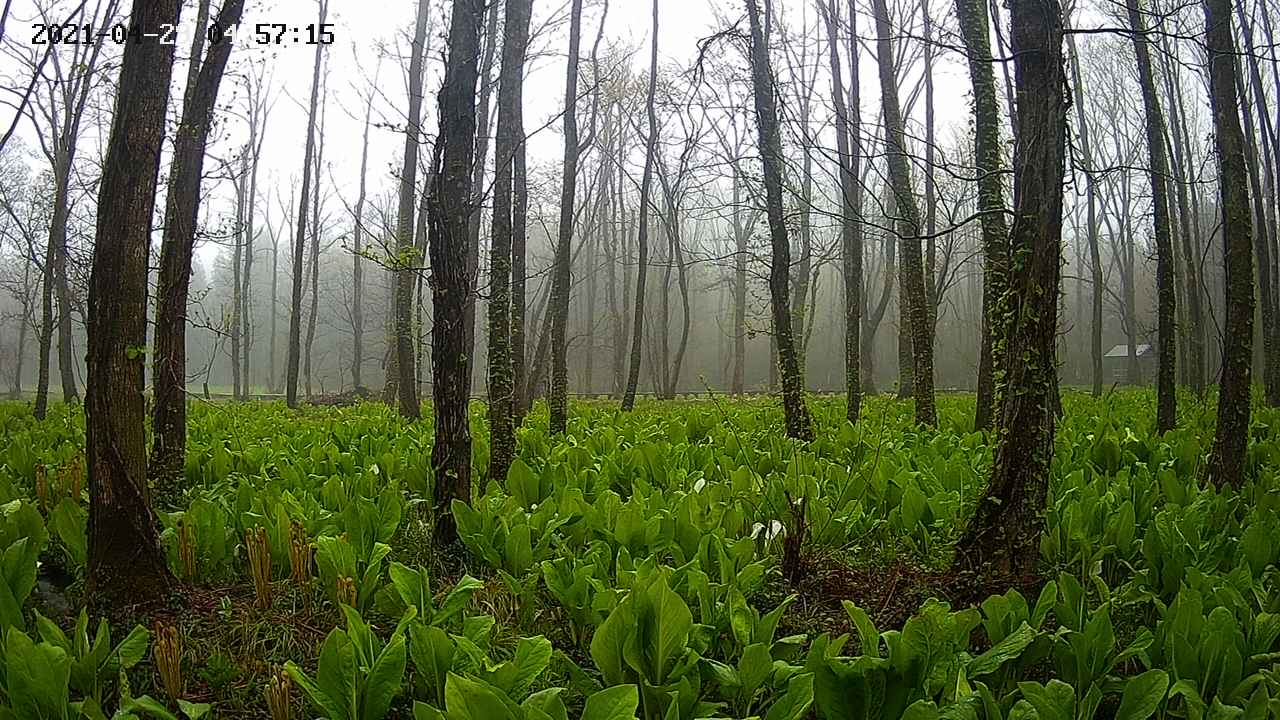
(972, 17)
(501, 380)
(1002, 539)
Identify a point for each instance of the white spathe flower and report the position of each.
(774, 530)
(702, 482)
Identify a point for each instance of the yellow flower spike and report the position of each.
(260, 565)
(278, 691)
(167, 653)
(346, 591)
(187, 549)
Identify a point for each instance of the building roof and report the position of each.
(1120, 351)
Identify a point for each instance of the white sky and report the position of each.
(361, 27)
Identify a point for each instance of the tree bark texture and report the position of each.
(1003, 537)
(448, 219)
(126, 564)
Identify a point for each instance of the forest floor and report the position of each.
(634, 564)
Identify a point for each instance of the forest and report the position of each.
(639, 359)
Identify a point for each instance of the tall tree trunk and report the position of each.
(44, 338)
(450, 212)
(1003, 537)
(237, 243)
(273, 380)
(930, 186)
(972, 16)
(1261, 249)
(519, 222)
(740, 236)
(682, 280)
(906, 358)
(510, 100)
(642, 234)
(1195, 362)
(849, 160)
(316, 234)
(909, 221)
(182, 206)
(1166, 396)
(798, 422)
(561, 274)
(484, 94)
(257, 134)
(1091, 193)
(406, 260)
(126, 565)
(1226, 461)
(357, 259)
(62, 289)
(300, 239)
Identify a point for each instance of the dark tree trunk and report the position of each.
(1166, 394)
(913, 283)
(850, 158)
(1261, 248)
(126, 565)
(1226, 461)
(448, 219)
(798, 422)
(1003, 537)
(561, 275)
(300, 239)
(406, 260)
(182, 204)
(44, 338)
(642, 234)
(510, 97)
(972, 16)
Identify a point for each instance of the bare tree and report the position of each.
(300, 239)
(405, 251)
(1166, 397)
(561, 277)
(850, 158)
(921, 333)
(642, 233)
(799, 423)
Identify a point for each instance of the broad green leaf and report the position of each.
(1142, 695)
(616, 703)
(384, 680)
